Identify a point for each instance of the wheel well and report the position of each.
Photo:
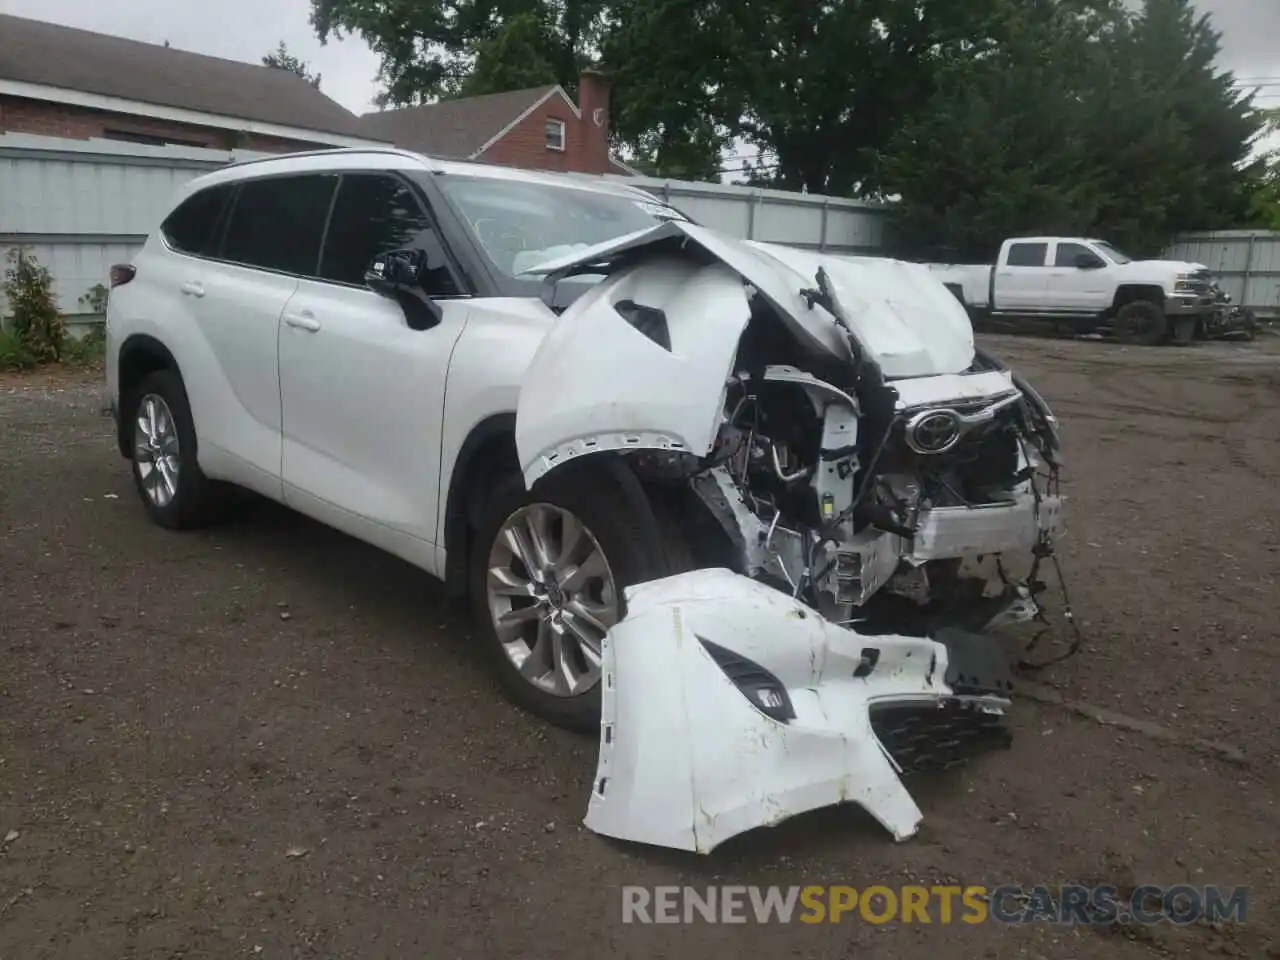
(487, 455)
(690, 536)
(140, 356)
(1131, 292)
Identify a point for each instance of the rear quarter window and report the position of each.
(193, 225)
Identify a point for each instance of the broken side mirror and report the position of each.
(397, 275)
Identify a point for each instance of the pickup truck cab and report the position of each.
(1087, 285)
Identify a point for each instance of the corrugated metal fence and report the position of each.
(80, 206)
(1245, 262)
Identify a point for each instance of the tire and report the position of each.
(1141, 323)
(1184, 330)
(188, 500)
(611, 508)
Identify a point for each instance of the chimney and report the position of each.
(593, 104)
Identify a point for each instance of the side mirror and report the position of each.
(397, 275)
(1087, 261)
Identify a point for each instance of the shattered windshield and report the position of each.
(521, 224)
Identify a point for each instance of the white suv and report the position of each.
(546, 389)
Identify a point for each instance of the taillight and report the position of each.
(122, 273)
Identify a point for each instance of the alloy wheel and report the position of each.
(155, 450)
(552, 598)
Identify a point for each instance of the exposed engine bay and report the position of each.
(837, 499)
(862, 458)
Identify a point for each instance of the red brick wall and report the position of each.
(525, 145)
(18, 115)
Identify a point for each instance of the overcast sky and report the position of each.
(246, 29)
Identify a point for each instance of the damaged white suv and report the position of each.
(712, 485)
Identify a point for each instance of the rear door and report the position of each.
(271, 235)
(1022, 279)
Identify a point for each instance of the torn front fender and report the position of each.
(728, 706)
(638, 362)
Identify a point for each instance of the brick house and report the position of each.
(540, 128)
(61, 82)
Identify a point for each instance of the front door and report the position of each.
(362, 393)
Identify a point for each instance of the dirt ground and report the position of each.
(267, 740)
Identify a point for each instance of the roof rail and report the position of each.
(393, 151)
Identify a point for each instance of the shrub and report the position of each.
(87, 350)
(14, 354)
(34, 308)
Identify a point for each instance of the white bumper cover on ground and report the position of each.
(688, 761)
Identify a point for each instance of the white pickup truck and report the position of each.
(1087, 286)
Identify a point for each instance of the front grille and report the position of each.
(1200, 283)
(930, 738)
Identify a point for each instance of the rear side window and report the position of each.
(374, 213)
(277, 223)
(1027, 254)
(193, 226)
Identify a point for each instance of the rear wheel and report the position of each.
(1141, 323)
(174, 491)
(548, 568)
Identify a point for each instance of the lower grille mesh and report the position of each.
(929, 738)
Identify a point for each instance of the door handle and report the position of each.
(302, 321)
(193, 288)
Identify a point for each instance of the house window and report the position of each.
(555, 135)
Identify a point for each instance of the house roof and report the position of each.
(51, 55)
(456, 129)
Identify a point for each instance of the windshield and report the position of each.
(520, 224)
(1115, 255)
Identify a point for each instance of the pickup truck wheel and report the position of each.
(548, 568)
(1142, 323)
(174, 491)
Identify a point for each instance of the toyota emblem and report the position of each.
(933, 431)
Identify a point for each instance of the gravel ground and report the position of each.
(267, 740)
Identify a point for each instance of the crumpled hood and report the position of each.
(901, 315)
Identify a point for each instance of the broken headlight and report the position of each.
(765, 691)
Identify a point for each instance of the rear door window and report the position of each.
(277, 223)
(193, 226)
(1027, 254)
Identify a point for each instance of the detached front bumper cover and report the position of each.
(728, 705)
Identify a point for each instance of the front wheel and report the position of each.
(1141, 323)
(548, 568)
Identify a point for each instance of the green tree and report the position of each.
(1180, 161)
(430, 48)
(1079, 117)
(520, 54)
(1003, 145)
(820, 86)
(1264, 191)
(282, 59)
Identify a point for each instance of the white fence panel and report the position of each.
(796, 219)
(1245, 262)
(81, 205)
